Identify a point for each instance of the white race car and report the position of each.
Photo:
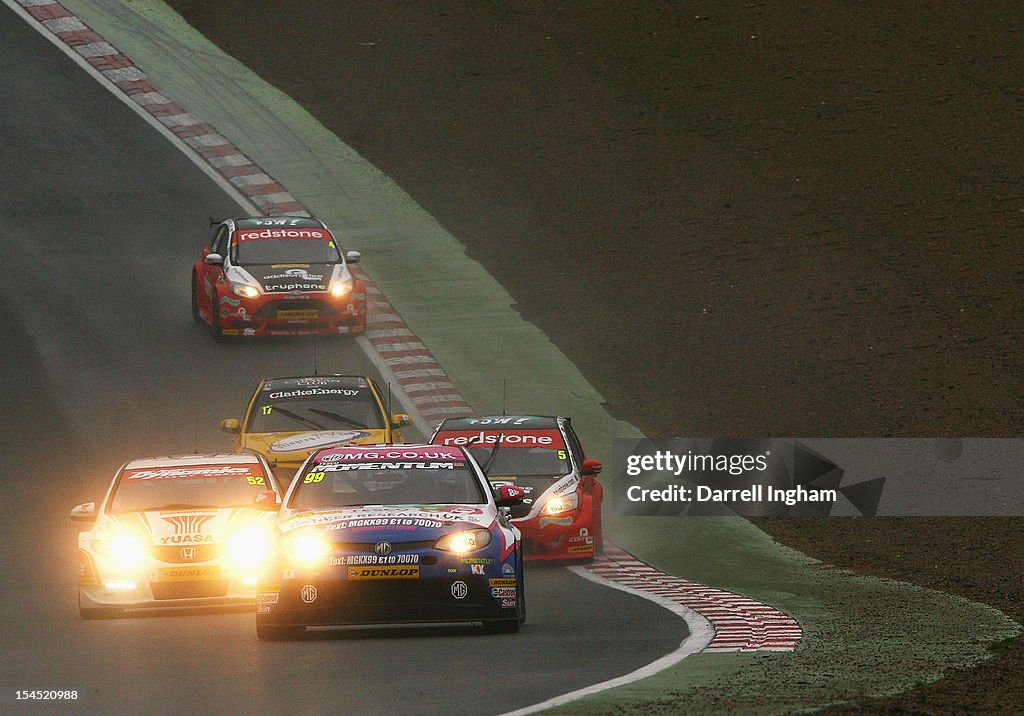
(176, 531)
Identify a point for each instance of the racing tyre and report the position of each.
(98, 612)
(511, 626)
(195, 301)
(521, 601)
(502, 626)
(278, 633)
(358, 329)
(215, 325)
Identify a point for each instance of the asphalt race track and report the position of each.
(100, 219)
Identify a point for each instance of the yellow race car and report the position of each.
(290, 418)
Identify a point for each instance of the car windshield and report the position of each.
(320, 408)
(286, 251)
(387, 483)
(191, 486)
(523, 462)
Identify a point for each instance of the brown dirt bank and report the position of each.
(800, 219)
(978, 558)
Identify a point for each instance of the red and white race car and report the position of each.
(560, 517)
(278, 275)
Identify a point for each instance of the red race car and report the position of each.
(561, 516)
(278, 275)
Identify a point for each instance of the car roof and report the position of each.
(295, 222)
(502, 422)
(144, 463)
(305, 381)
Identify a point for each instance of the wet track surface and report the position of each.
(101, 218)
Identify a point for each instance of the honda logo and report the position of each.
(188, 554)
(382, 548)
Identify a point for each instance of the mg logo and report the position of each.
(308, 594)
(382, 548)
(188, 554)
(459, 590)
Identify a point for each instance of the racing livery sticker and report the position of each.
(187, 574)
(319, 439)
(384, 572)
(356, 453)
(194, 472)
(243, 235)
(551, 439)
(373, 559)
(188, 527)
(312, 392)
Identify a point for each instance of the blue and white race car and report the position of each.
(373, 534)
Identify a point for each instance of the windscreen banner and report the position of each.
(818, 477)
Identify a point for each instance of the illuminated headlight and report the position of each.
(126, 550)
(340, 289)
(464, 541)
(308, 549)
(560, 504)
(245, 290)
(248, 547)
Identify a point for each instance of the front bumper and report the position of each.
(556, 538)
(312, 314)
(160, 585)
(319, 601)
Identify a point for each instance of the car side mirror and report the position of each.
(231, 425)
(213, 260)
(591, 467)
(509, 496)
(399, 420)
(266, 501)
(85, 512)
(353, 257)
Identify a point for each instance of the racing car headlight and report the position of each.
(245, 290)
(248, 547)
(308, 549)
(464, 541)
(340, 289)
(561, 503)
(126, 550)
